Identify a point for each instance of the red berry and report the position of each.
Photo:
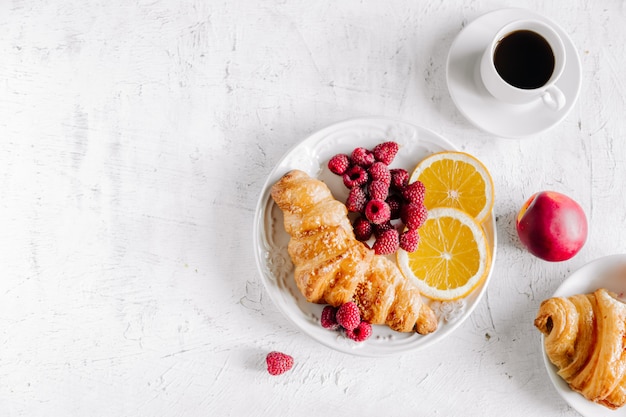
(377, 211)
(348, 316)
(362, 157)
(385, 152)
(338, 164)
(380, 172)
(378, 190)
(362, 229)
(355, 176)
(383, 227)
(362, 332)
(399, 178)
(387, 242)
(356, 200)
(413, 215)
(328, 318)
(395, 202)
(414, 192)
(409, 239)
(278, 363)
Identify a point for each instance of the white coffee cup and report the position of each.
(515, 67)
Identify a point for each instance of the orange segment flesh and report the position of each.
(458, 180)
(452, 257)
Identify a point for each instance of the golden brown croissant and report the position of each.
(584, 339)
(332, 267)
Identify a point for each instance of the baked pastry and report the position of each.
(332, 267)
(585, 339)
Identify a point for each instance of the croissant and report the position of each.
(333, 267)
(584, 339)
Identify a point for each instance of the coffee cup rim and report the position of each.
(527, 24)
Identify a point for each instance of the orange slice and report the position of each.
(452, 257)
(456, 179)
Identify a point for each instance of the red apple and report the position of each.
(552, 226)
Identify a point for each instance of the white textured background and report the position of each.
(135, 139)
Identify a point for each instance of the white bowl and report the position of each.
(607, 272)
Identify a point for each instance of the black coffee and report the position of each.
(524, 59)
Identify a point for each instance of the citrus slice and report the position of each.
(452, 257)
(456, 179)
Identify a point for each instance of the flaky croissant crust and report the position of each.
(585, 339)
(332, 267)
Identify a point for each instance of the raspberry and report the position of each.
(413, 215)
(355, 176)
(362, 157)
(387, 242)
(378, 229)
(339, 164)
(362, 332)
(409, 239)
(362, 229)
(380, 172)
(348, 316)
(399, 178)
(395, 202)
(385, 152)
(414, 192)
(378, 190)
(278, 363)
(377, 211)
(356, 200)
(329, 318)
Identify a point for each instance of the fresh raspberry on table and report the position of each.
(378, 190)
(409, 240)
(414, 192)
(399, 178)
(339, 164)
(377, 211)
(380, 172)
(348, 315)
(278, 363)
(357, 199)
(362, 229)
(355, 176)
(363, 157)
(329, 318)
(361, 333)
(385, 152)
(413, 215)
(387, 242)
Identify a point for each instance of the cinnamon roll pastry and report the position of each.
(585, 339)
(333, 267)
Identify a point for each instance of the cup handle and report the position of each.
(554, 98)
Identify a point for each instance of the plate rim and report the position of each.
(258, 220)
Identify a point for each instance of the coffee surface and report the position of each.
(524, 59)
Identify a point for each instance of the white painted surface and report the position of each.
(136, 137)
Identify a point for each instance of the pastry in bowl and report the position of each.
(585, 337)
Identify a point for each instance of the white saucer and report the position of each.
(482, 109)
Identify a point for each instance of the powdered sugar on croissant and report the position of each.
(332, 267)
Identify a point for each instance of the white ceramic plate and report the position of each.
(270, 238)
(607, 272)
